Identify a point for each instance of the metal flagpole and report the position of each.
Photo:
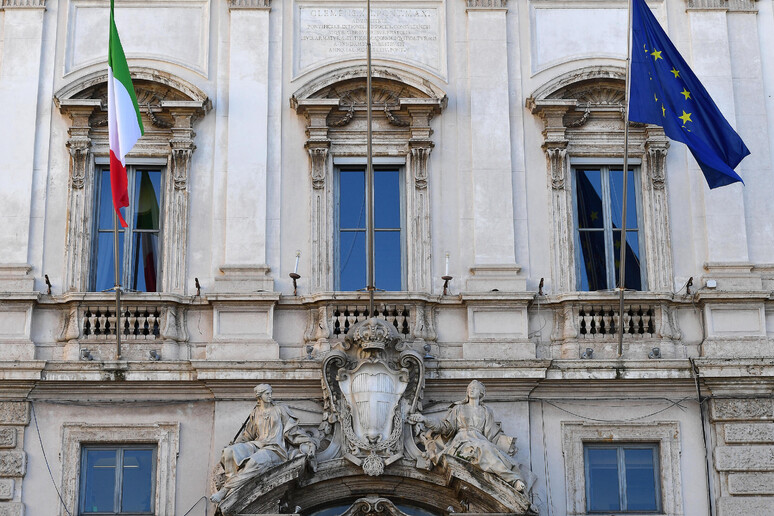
(369, 183)
(622, 270)
(117, 285)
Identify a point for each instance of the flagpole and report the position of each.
(117, 285)
(622, 270)
(369, 183)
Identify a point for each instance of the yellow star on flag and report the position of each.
(645, 48)
(685, 118)
(655, 97)
(676, 72)
(686, 94)
(656, 54)
(663, 111)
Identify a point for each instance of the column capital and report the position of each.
(722, 5)
(249, 4)
(22, 4)
(488, 5)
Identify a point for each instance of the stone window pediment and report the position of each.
(335, 108)
(169, 108)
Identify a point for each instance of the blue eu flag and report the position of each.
(665, 92)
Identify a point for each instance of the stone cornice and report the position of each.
(249, 4)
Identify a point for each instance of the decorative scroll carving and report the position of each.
(393, 119)
(656, 154)
(370, 386)
(80, 152)
(419, 157)
(373, 506)
(723, 5)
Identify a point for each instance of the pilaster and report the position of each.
(492, 171)
(20, 63)
(247, 148)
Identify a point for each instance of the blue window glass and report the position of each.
(598, 210)
(622, 478)
(138, 245)
(388, 232)
(117, 479)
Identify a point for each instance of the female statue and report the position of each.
(271, 436)
(469, 432)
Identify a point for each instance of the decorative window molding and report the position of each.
(169, 108)
(166, 437)
(582, 113)
(335, 109)
(666, 434)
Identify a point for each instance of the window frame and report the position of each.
(133, 168)
(352, 165)
(165, 435)
(118, 488)
(621, 470)
(605, 166)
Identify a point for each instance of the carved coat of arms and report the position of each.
(370, 386)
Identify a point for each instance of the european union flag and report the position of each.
(664, 91)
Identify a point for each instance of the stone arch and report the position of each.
(583, 116)
(334, 105)
(83, 87)
(296, 486)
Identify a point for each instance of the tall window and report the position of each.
(351, 229)
(117, 479)
(598, 203)
(138, 247)
(622, 478)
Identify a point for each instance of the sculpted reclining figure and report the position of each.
(271, 436)
(470, 432)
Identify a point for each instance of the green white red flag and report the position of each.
(124, 122)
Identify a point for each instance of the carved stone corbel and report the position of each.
(318, 164)
(557, 164)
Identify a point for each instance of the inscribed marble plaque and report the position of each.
(331, 34)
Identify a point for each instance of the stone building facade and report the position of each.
(489, 115)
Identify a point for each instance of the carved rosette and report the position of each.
(370, 386)
(487, 4)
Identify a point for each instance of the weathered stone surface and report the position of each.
(744, 458)
(14, 413)
(734, 506)
(6, 488)
(749, 432)
(751, 483)
(742, 409)
(12, 464)
(7, 438)
(11, 509)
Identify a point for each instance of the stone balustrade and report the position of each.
(138, 322)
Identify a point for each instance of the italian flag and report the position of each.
(124, 122)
